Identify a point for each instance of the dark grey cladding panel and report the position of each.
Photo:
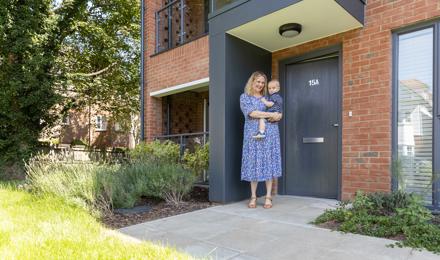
(355, 7)
(232, 61)
(255, 9)
(217, 118)
(242, 59)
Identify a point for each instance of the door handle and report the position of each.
(335, 125)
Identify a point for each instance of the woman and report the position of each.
(261, 159)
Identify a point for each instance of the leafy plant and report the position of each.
(171, 182)
(160, 152)
(396, 214)
(198, 161)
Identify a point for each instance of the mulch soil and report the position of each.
(197, 199)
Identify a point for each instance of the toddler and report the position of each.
(273, 103)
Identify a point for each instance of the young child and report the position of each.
(274, 103)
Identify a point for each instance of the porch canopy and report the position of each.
(199, 85)
(242, 37)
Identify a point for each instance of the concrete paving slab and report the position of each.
(234, 231)
(210, 251)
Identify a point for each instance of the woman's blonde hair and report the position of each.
(248, 88)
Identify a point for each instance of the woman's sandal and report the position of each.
(268, 205)
(252, 203)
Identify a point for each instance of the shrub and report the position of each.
(396, 214)
(164, 152)
(127, 185)
(198, 161)
(75, 182)
(170, 182)
(100, 187)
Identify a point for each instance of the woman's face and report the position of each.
(258, 85)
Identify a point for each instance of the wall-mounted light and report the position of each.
(290, 30)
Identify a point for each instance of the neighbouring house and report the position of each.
(92, 128)
(360, 80)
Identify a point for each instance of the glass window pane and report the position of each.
(415, 99)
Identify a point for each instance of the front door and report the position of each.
(311, 128)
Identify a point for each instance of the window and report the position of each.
(101, 123)
(179, 22)
(415, 59)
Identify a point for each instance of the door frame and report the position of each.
(282, 65)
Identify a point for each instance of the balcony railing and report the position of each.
(180, 21)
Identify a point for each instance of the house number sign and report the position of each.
(313, 82)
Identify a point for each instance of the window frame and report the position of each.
(103, 123)
(435, 25)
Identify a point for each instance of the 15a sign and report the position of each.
(313, 82)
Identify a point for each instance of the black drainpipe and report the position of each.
(142, 68)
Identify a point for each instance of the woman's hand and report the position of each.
(275, 117)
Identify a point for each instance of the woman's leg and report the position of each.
(253, 201)
(268, 199)
(269, 188)
(254, 185)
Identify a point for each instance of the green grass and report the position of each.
(45, 227)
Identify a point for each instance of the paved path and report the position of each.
(235, 232)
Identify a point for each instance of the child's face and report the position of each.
(273, 88)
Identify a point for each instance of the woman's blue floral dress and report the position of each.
(261, 159)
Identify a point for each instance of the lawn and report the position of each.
(45, 227)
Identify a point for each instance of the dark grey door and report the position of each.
(311, 128)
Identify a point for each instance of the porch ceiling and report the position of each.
(319, 19)
(200, 85)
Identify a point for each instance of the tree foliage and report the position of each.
(63, 54)
(100, 60)
(31, 33)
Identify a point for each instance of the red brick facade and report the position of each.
(78, 128)
(366, 84)
(183, 64)
(367, 89)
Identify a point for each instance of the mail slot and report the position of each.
(313, 140)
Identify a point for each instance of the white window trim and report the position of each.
(103, 123)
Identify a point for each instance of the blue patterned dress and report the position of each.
(261, 160)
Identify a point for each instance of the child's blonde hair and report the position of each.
(274, 81)
(248, 88)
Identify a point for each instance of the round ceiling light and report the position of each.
(290, 30)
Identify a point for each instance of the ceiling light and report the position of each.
(290, 30)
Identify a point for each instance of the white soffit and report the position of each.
(319, 19)
(193, 85)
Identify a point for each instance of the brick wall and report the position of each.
(78, 128)
(367, 89)
(180, 65)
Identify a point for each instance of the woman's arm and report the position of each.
(276, 117)
(261, 114)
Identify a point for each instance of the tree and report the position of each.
(31, 33)
(100, 60)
